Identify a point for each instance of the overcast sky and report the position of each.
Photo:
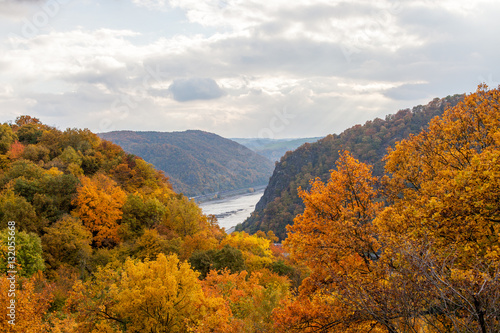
(258, 68)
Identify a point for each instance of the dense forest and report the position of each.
(369, 142)
(104, 245)
(197, 162)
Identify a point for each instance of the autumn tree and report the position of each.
(163, 295)
(67, 242)
(249, 300)
(443, 220)
(255, 250)
(7, 137)
(31, 305)
(15, 151)
(99, 204)
(336, 238)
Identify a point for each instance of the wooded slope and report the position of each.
(197, 162)
(368, 143)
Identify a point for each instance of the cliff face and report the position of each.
(368, 143)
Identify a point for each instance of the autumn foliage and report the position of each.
(99, 204)
(106, 246)
(417, 250)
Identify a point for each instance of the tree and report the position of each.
(7, 137)
(445, 180)
(256, 250)
(335, 237)
(227, 258)
(140, 212)
(67, 242)
(16, 151)
(163, 295)
(443, 223)
(28, 252)
(336, 223)
(31, 305)
(99, 204)
(15, 208)
(250, 299)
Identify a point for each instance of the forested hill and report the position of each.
(273, 149)
(197, 162)
(368, 143)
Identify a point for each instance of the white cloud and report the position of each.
(330, 64)
(152, 4)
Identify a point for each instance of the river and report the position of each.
(232, 210)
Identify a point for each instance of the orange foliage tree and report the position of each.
(427, 262)
(99, 204)
(336, 238)
(30, 305)
(443, 224)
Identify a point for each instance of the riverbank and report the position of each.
(230, 211)
(227, 194)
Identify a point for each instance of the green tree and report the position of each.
(67, 242)
(15, 208)
(28, 252)
(7, 137)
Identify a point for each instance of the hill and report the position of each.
(84, 225)
(273, 149)
(197, 162)
(368, 143)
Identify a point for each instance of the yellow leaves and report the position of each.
(256, 250)
(158, 295)
(163, 295)
(54, 172)
(99, 201)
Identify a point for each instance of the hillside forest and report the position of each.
(369, 143)
(104, 244)
(197, 162)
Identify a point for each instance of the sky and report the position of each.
(239, 68)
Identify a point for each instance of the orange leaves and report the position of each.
(248, 300)
(99, 201)
(335, 237)
(336, 222)
(30, 305)
(16, 150)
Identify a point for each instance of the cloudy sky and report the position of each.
(239, 68)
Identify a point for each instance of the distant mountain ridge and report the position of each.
(273, 149)
(368, 143)
(197, 162)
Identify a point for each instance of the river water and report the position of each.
(233, 210)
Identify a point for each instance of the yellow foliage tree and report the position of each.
(443, 225)
(99, 204)
(163, 295)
